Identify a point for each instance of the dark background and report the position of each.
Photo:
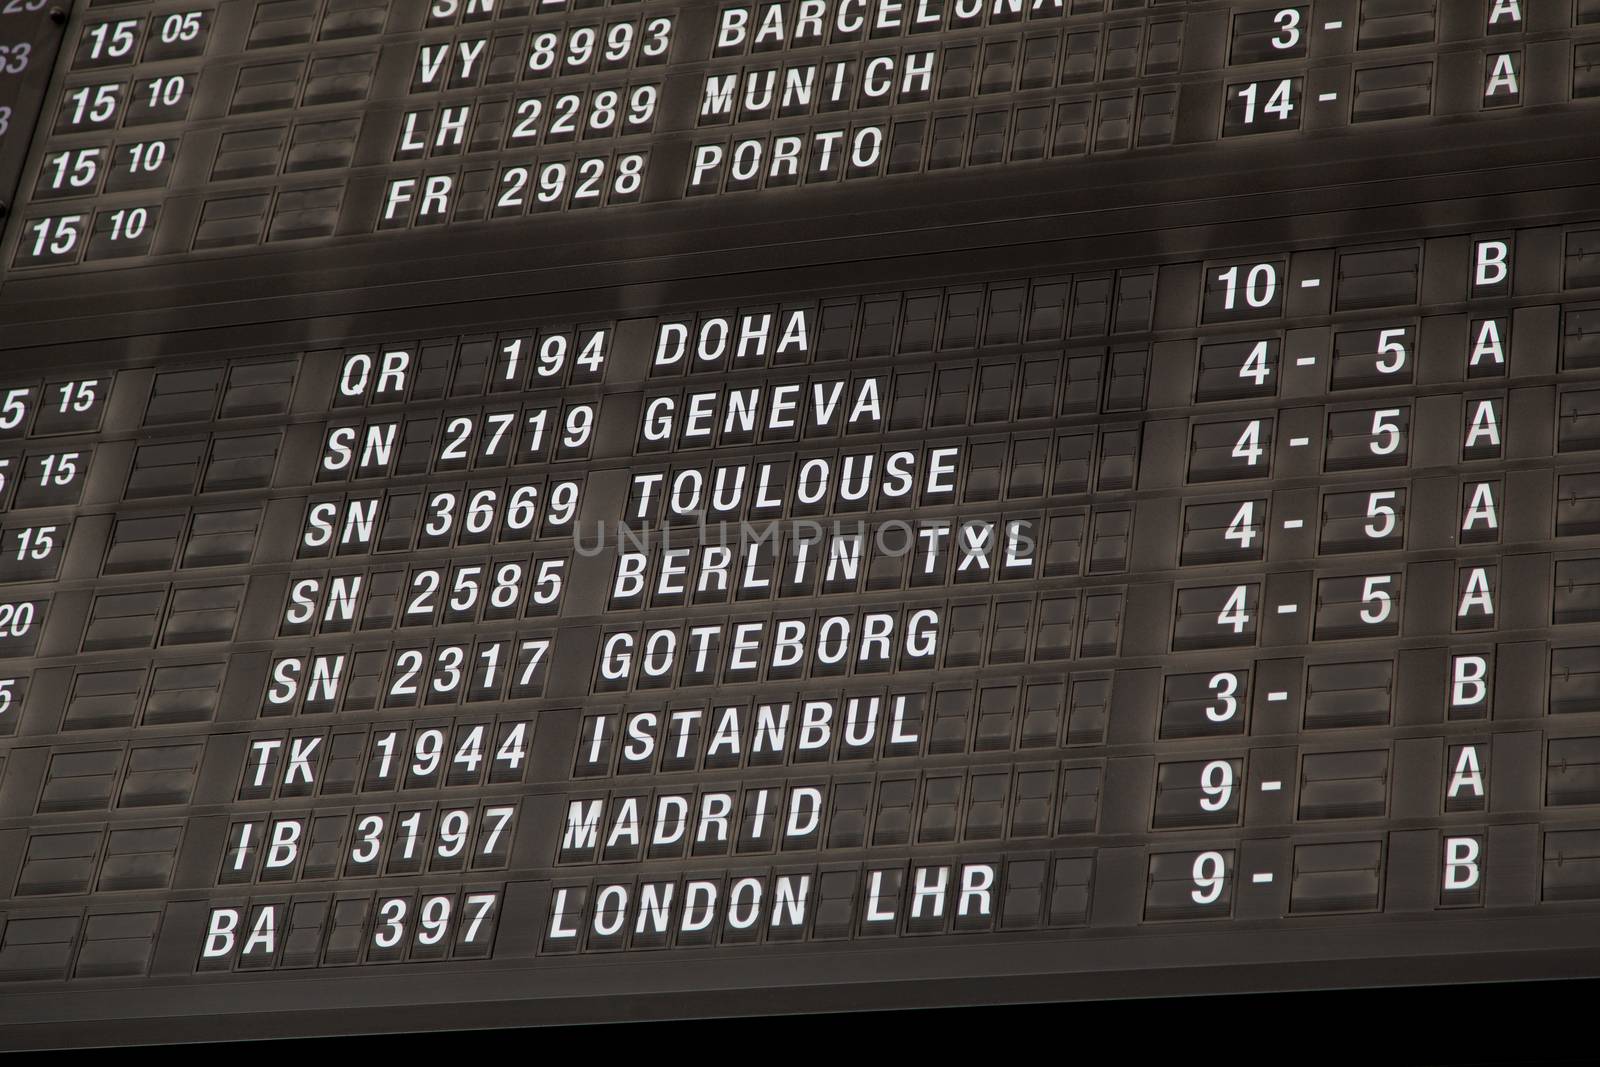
(1520, 1022)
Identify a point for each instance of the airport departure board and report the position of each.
(531, 511)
